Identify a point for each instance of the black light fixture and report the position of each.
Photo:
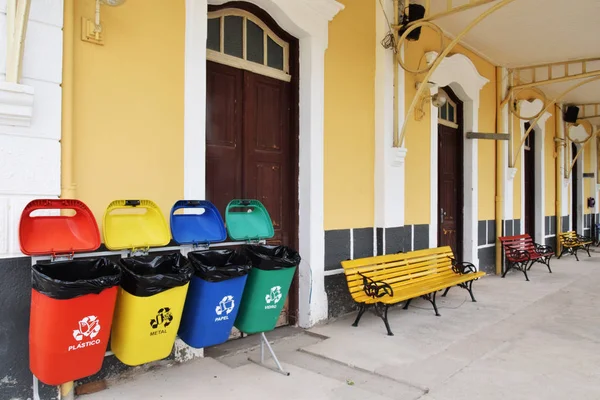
(570, 114)
(415, 13)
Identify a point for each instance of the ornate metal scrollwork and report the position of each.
(462, 267)
(376, 289)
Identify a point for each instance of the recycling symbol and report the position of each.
(88, 327)
(163, 318)
(226, 305)
(274, 296)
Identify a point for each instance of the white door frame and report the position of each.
(458, 72)
(307, 20)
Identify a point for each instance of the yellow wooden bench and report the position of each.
(386, 280)
(571, 242)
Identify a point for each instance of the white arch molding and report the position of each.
(458, 72)
(308, 21)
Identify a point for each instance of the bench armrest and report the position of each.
(583, 238)
(514, 253)
(462, 267)
(542, 249)
(376, 289)
(570, 241)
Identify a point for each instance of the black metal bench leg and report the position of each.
(575, 254)
(446, 292)
(385, 320)
(431, 298)
(508, 268)
(407, 304)
(587, 248)
(524, 269)
(470, 289)
(564, 250)
(548, 263)
(361, 311)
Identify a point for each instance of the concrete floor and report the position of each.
(521, 340)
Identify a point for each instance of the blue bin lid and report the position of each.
(203, 225)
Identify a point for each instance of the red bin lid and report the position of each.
(47, 234)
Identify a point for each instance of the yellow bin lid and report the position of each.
(134, 224)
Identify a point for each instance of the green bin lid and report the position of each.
(248, 220)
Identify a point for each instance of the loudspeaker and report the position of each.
(415, 13)
(571, 114)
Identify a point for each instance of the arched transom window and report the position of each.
(239, 39)
(448, 114)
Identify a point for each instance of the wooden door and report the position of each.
(249, 147)
(529, 183)
(450, 175)
(224, 134)
(267, 173)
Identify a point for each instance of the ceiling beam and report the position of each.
(556, 72)
(588, 110)
(556, 80)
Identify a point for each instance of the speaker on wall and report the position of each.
(571, 114)
(415, 13)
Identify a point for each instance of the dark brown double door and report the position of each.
(450, 182)
(250, 151)
(529, 183)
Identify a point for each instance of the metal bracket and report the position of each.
(201, 246)
(141, 251)
(488, 136)
(263, 342)
(62, 257)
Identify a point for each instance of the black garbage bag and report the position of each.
(219, 265)
(145, 276)
(65, 280)
(272, 257)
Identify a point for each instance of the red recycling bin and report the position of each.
(73, 300)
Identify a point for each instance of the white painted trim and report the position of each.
(334, 272)
(459, 72)
(307, 20)
(390, 164)
(485, 246)
(240, 63)
(16, 104)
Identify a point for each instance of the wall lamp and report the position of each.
(437, 100)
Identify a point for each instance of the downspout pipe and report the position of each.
(499, 169)
(66, 142)
(67, 190)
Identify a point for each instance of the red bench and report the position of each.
(522, 252)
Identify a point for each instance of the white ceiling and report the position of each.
(530, 32)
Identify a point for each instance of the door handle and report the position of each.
(442, 215)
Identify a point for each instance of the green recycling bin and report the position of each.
(267, 287)
(273, 267)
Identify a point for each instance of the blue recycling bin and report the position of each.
(211, 307)
(216, 289)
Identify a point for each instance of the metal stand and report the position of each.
(263, 341)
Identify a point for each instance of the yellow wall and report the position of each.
(350, 117)
(128, 104)
(550, 167)
(418, 137)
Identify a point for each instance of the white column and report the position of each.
(389, 161)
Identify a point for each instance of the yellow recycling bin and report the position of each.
(153, 289)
